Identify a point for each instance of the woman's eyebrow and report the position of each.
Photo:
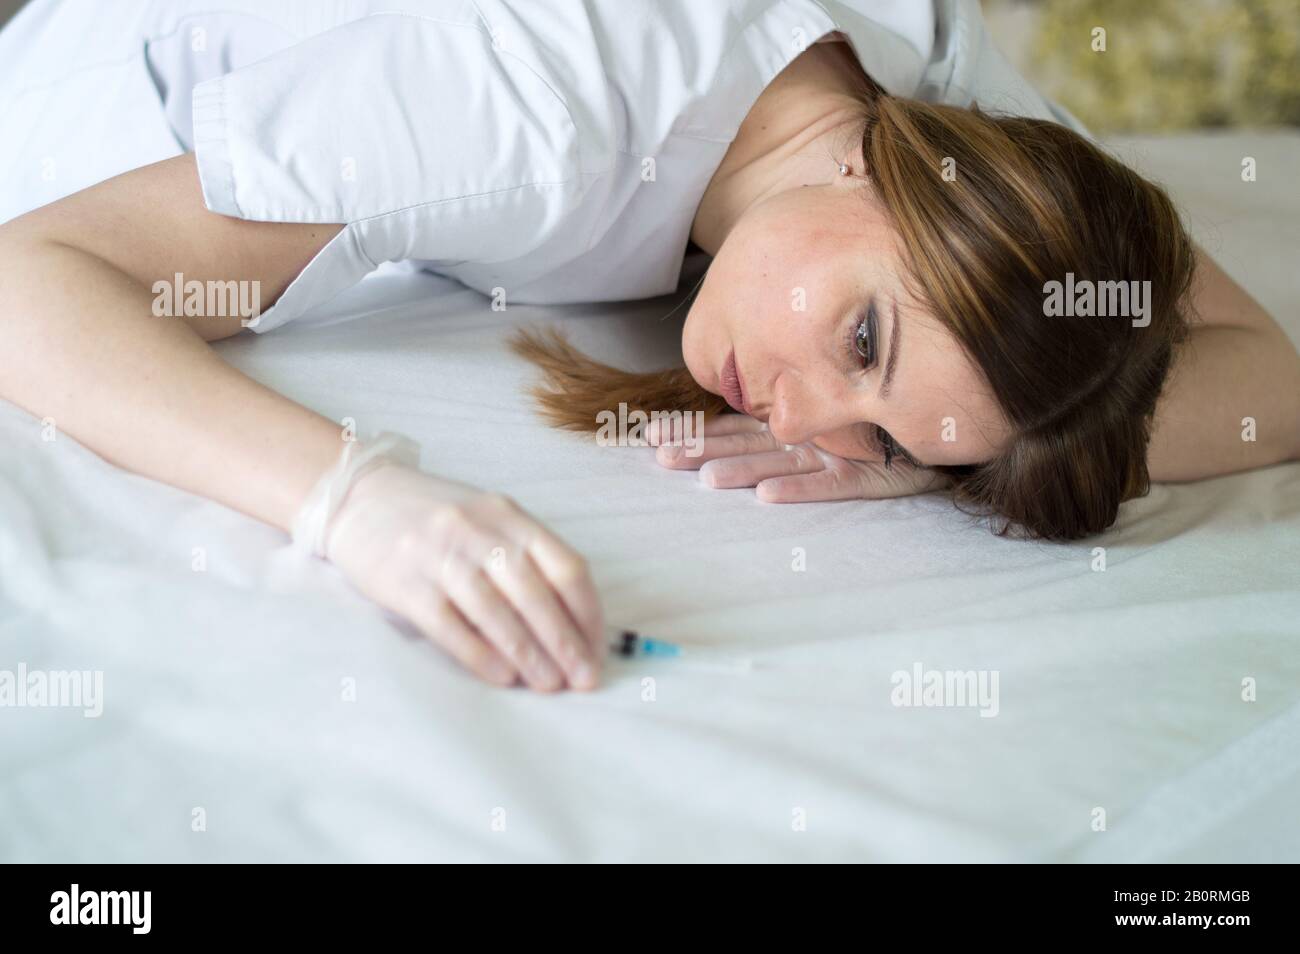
(892, 360)
(895, 342)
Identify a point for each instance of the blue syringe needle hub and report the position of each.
(630, 645)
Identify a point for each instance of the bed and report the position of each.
(255, 709)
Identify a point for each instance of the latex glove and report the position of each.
(739, 451)
(474, 572)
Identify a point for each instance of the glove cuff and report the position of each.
(357, 457)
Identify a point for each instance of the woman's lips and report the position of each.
(733, 389)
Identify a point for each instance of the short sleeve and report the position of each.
(426, 138)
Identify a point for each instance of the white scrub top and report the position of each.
(555, 150)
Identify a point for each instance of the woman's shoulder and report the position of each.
(691, 68)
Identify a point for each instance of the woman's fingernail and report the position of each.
(538, 669)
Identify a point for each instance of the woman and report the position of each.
(877, 308)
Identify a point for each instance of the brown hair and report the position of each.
(1030, 202)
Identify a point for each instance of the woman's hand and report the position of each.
(739, 451)
(475, 573)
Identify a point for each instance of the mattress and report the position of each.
(254, 708)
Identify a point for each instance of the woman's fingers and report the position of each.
(670, 430)
(681, 457)
(482, 604)
(541, 609)
(748, 470)
(487, 582)
(848, 480)
(803, 488)
(512, 546)
(434, 615)
(570, 576)
(721, 424)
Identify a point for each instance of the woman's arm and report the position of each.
(79, 342)
(1237, 363)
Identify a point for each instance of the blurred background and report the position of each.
(1167, 64)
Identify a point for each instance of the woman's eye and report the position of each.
(888, 447)
(864, 339)
(886, 444)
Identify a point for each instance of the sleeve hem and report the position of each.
(212, 148)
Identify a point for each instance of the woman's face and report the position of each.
(806, 291)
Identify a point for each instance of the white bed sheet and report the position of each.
(223, 689)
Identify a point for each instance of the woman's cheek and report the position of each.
(697, 333)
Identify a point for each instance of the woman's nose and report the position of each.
(801, 412)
